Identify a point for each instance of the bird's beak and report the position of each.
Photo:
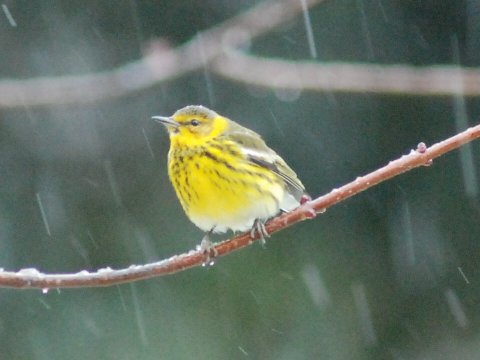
(167, 121)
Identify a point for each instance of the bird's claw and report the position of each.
(207, 248)
(259, 227)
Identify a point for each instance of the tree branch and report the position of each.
(157, 66)
(348, 77)
(216, 48)
(422, 156)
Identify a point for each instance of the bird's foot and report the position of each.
(259, 227)
(207, 248)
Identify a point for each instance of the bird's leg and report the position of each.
(207, 248)
(259, 227)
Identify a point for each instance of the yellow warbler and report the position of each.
(224, 174)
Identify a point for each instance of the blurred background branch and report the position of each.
(159, 64)
(216, 48)
(348, 77)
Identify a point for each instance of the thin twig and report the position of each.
(422, 156)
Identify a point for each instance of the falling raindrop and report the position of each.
(139, 317)
(364, 315)
(277, 124)
(242, 350)
(408, 233)
(112, 181)
(80, 249)
(42, 212)
(137, 23)
(255, 298)
(149, 147)
(92, 239)
(365, 30)
(463, 275)
(122, 298)
(382, 9)
(206, 73)
(456, 308)
(470, 180)
(9, 16)
(308, 28)
(146, 244)
(315, 285)
(44, 303)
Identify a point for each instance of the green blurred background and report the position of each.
(389, 274)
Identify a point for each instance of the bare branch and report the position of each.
(216, 48)
(156, 67)
(422, 156)
(348, 77)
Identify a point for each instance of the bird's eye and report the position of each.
(194, 122)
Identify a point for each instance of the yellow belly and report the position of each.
(216, 196)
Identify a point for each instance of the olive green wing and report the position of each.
(257, 152)
(279, 167)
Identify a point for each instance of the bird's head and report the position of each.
(193, 123)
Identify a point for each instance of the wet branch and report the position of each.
(422, 156)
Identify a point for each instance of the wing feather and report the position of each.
(258, 153)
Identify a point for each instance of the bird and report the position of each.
(224, 175)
